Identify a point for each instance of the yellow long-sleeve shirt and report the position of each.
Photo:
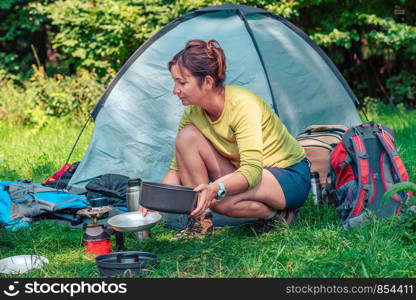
(248, 133)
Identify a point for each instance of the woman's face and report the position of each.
(186, 86)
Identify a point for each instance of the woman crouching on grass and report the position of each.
(231, 136)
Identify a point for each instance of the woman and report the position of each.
(228, 135)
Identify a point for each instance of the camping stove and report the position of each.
(95, 213)
(96, 236)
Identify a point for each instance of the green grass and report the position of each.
(316, 246)
(35, 154)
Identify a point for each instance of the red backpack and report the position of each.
(363, 166)
(61, 178)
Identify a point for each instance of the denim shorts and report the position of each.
(295, 181)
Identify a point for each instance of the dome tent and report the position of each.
(136, 119)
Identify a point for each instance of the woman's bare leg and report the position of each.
(198, 160)
(172, 177)
(259, 202)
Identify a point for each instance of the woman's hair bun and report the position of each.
(201, 59)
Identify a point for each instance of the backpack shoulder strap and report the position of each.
(361, 157)
(387, 141)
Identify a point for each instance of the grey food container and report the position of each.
(168, 198)
(129, 263)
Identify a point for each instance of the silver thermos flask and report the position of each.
(133, 203)
(316, 188)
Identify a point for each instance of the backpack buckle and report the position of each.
(365, 187)
(346, 162)
(347, 206)
(362, 155)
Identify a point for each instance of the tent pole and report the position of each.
(365, 115)
(250, 32)
(73, 148)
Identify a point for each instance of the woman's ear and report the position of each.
(209, 82)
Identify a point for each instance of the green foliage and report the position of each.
(376, 108)
(402, 88)
(36, 153)
(368, 40)
(97, 34)
(390, 34)
(102, 34)
(335, 37)
(43, 97)
(21, 27)
(382, 33)
(372, 44)
(408, 221)
(399, 187)
(408, 218)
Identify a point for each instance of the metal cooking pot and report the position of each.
(168, 198)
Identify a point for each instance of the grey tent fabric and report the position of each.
(136, 119)
(306, 90)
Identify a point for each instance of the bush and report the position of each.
(402, 88)
(373, 48)
(102, 34)
(43, 97)
(22, 32)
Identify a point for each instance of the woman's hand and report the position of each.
(206, 196)
(144, 211)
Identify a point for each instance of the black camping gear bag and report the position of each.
(112, 186)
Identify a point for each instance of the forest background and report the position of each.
(58, 56)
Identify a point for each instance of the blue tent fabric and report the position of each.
(136, 125)
(137, 117)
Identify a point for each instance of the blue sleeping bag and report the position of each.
(20, 201)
